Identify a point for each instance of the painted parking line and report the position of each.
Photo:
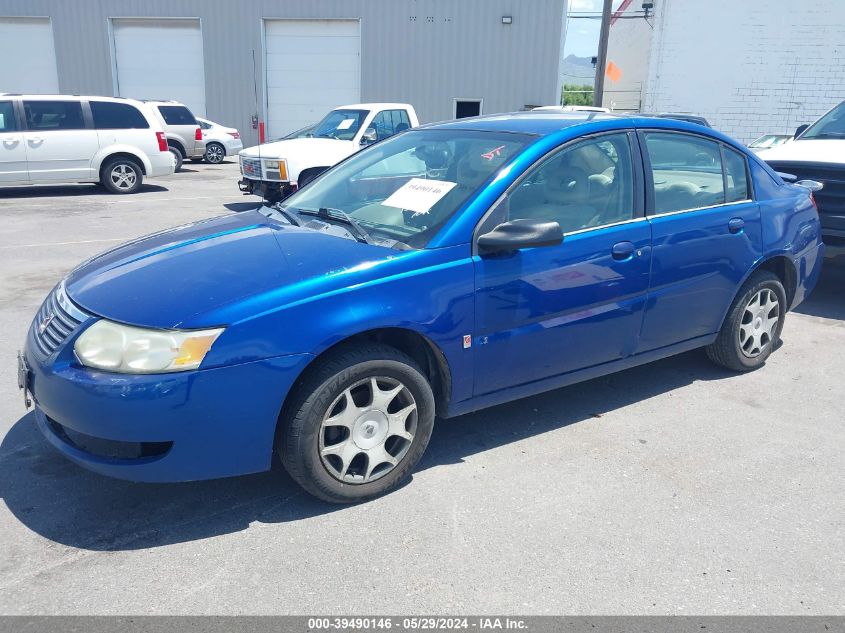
(43, 244)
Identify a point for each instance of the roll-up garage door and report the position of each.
(29, 58)
(160, 58)
(311, 67)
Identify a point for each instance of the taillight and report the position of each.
(234, 134)
(162, 142)
(198, 135)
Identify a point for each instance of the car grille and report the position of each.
(251, 167)
(56, 321)
(831, 199)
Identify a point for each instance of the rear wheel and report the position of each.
(358, 425)
(215, 153)
(121, 175)
(753, 326)
(177, 153)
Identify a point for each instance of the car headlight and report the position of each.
(271, 164)
(133, 350)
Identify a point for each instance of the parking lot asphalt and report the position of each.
(672, 488)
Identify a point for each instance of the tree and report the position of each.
(573, 94)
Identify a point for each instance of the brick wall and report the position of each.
(750, 67)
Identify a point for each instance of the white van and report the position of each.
(48, 139)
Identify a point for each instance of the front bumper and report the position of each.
(182, 426)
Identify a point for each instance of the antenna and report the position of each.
(255, 93)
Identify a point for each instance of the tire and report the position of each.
(752, 329)
(360, 457)
(215, 153)
(179, 158)
(121, 175)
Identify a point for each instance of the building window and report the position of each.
(467, 107)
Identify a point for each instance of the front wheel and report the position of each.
(752, 329)
(215, 153)
(358, 425)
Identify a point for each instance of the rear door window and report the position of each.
(736, 176)
(686, 170)
(177, 115)
(54, 115)
(117, 116)
(7, 117)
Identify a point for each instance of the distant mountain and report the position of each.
(578, 70)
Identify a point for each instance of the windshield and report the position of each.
(407, 187)
(341, 124)
(831, 125)
(770, 140)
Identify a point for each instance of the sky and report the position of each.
(582, 36)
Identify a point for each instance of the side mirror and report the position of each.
(516, 234)
(369, 136)
(800, 130)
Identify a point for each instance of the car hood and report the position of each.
(302, 147)
(172, 278)
(807, 151)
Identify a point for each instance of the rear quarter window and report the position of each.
(177, 115)
(117, 116)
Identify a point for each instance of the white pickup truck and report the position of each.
(275, 170)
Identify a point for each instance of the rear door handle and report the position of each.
(11, 142)
(622, 250)
(36, 140)
(736, 225)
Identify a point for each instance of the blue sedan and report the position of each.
(446, 269)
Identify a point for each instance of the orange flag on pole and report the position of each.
(613, 72)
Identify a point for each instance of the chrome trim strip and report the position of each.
(68, 306)
(712, 206)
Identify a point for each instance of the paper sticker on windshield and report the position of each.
(419, 194)
(345, 124)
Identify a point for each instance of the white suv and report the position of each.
(47, 139)
(182, 129)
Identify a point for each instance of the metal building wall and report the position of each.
(425, 52)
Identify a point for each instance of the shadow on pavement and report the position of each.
(239, 207)
(69, 505)
(55, 191)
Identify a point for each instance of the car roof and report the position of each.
(47, 97)
(546, 123)
(537, 122)
(374, 106)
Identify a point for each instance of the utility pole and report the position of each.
(601, 58)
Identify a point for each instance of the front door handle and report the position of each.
(36, 140)
(736, 225)
(11, 142)
(622, 250)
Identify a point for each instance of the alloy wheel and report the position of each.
(123, 176)
(214, 154)
(368, 430)
(759, 323)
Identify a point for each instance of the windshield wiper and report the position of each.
(290, 217)
(327, 213)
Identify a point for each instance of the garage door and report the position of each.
(311, 67)
(160, 59)
(26, 46)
